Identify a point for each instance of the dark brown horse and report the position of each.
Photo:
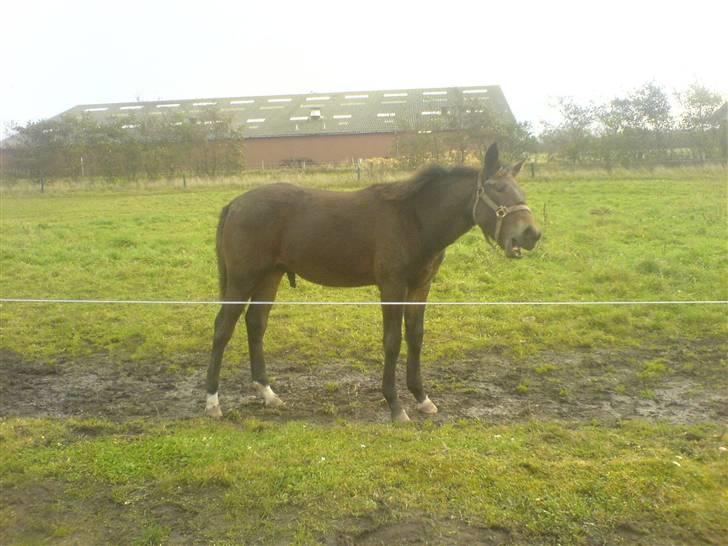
(391, 235)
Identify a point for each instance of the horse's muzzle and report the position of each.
(526, 239)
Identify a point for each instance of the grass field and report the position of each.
(74, 472)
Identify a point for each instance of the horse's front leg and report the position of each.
(392, 322)
(256, 321)
(414, 320)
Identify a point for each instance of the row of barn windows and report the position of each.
(287, 100)
(317, 115)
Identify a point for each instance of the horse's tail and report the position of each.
(221, 269)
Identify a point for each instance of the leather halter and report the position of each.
(501, 211)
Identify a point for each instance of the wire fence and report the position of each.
(362, 303)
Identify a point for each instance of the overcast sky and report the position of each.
(56, 55)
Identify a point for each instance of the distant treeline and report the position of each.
(640, 129)
(149, 147)
(633, 131)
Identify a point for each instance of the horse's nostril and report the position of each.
(531, 233)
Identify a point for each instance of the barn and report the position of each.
(319, 127)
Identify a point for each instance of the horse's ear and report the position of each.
(515, 169)
(491, 163)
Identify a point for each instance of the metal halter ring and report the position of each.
(501, 212)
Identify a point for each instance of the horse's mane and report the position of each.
(404, 189)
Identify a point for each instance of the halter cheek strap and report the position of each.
(501, 211)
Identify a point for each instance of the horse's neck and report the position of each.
(444, 211)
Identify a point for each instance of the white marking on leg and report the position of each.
(427, 407)
(271, 399)
(212, 406)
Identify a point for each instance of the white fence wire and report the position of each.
(362, 303)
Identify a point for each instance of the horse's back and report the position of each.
(327, 237)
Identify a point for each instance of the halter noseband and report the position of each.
(501, 211)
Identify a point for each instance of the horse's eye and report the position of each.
(500, 187)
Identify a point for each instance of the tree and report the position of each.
(699, 105)
(169, 144)
(573, 137)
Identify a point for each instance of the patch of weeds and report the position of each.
(152, 535)
(600, 211)
(652, 369)
(255, 425)
(62, 531)
(332, 387)
(522, 387)
(647, 394)
(543, 369)
(649, 267)
(123, 242)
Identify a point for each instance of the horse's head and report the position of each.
(500, 208)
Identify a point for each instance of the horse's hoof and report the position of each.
(214, 411)
(274, 402)
(401, 417)
(427, 407)
(269, 397)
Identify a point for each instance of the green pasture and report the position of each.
(246, 481)
(658, 239)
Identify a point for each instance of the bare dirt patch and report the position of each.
(420, 530)
(681, 383)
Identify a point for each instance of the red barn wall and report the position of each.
(317, 148)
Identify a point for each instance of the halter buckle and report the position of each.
(501, 212)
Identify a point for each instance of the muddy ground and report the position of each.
(683, 383)
(686, 382)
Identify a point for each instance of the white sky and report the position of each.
(55, 55)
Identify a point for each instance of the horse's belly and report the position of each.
(332, 274)
(333, 249)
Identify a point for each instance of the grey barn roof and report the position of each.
(353, 112)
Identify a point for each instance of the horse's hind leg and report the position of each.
(225, 323)
(256, 320)
(392, 323)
